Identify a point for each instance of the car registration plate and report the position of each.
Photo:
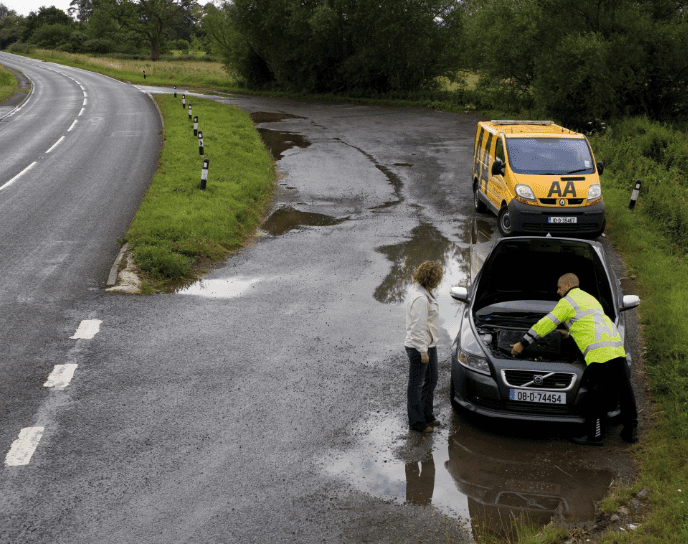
(545, 397)
(566, 220)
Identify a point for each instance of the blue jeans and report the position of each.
(421, 388)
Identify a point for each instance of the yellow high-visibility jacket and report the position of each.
(594, 333)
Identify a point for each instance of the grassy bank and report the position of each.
(8, 84)
(179, 225)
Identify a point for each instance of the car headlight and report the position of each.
(525, 192)
(594, 192)
(469, 352)
(478, 364)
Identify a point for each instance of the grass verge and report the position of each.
(8, 84)
(178, 225)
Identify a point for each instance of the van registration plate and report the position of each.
(568, 220)
(545, 397)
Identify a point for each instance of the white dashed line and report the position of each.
(61, 376)
(82, 111)
(23, 447)
(56, 144)
(20, 174)
(73, 125)
(87, 329)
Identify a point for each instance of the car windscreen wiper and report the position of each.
(579, 170)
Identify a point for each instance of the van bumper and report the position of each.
(528, 219)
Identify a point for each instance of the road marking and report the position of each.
(23, 447)
(55, 144)
(87, 329)
(82, 111)
(73, 125)
(84, 102)
(61, 376)
(20, 174)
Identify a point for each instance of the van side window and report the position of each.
(478, 146)
(486, 155)
(499, 152)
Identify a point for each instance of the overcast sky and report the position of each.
(24, 7)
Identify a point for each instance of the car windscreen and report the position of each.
(556, 156)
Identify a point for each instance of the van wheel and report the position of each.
(478, 204)
(506, 229)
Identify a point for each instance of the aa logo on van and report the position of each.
(555, 189)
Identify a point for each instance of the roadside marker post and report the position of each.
(175, 91)
(183, 101)
(200, 143)
(204, 173)
(190, 111)
(634, 194)
(196, 126)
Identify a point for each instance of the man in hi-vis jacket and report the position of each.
(603, 349)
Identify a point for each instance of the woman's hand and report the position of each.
(516, 349)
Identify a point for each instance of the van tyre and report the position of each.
(478, 204)
(506, 229)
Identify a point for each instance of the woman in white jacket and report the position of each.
(422, 318)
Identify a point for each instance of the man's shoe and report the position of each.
(435, 422)
(427, 429)
(630, 434)
(585, 440)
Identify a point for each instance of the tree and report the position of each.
(364, 46)
(45, 16)
(153, 20)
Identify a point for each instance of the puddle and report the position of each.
(288, 218)
(279, 142)
(220, 288)
(271, 117)
(487, 478)
(426, 244)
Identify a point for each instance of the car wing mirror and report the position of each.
(498, 167)
(600, 168)
(459, 293)
(629, 302)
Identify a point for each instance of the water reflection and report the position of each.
(420, 482)
(287, 218)
(426, 244)
(279, 141)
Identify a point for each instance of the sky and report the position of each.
(24, 7)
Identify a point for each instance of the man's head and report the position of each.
(566, 283)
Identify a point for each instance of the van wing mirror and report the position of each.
(460, 294)
(629, 302)
(498, 167)
(600, 168)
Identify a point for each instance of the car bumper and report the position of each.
(480, 394)
(535, 219)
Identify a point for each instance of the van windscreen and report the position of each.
(557, 156)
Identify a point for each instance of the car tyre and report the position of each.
(478, 204)
(506, 229)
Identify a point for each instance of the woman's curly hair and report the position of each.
(428, 275)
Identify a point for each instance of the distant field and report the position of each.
(8, 84)
(180, 72)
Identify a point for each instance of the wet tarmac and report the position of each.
(312, 318)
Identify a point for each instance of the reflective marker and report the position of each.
(196, 126)
(634, 194)
(204, 173)
(23, 447)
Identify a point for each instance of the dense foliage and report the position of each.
(357, 46)
(581, 59)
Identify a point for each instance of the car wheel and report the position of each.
(599, 232)
(478, 204)
(504, 222)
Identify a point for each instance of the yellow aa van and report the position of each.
(538, 178)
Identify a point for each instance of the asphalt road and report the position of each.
(267, 403)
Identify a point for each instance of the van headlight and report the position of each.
(470, 354)
(525, 192)
(594, 192)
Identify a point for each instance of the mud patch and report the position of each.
(285, 219)
(279, 142)
(271, 117)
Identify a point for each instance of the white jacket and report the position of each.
(422, 316)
